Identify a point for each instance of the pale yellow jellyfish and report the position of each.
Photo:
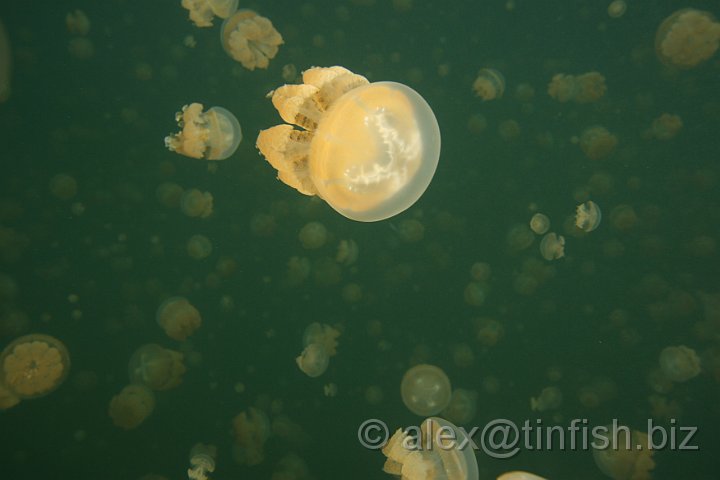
(178, 318)
(251, 430)
(680, 363)
(440, 451)
(623, 454)
(250, 39)
(5, 64)
(489, 84)
(156, 367)
(213, 135)
(550, 398)
(199, 247)
(489, 331)
(323, 334)
(462, 407)
(687, 38)
(425, 390)
(617, 8)
(195, 203)
(313, 360)
(539, 223)
(369, 150)
(202, 461)
(203, 11)
(586, 88)
(34, 365)
(597, 142)
(587, 216)
(518, 475)
(313, 235)
(347, 252)
(552, 246)
(665, 127)
(131, 406)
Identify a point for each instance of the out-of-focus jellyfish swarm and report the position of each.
(5, 64)
(320, 342)
(597, 142)
(680, 363)
(425, 390)
(587, 216)
(626, 454)
(687, 38)
(33, 366)
(202, 461)
(250, 39)
(489, 84)
(412, 459)
(517, 475)
(156, 367)
(129, 408)
(665, 127)
(369, 150)
(251, 429)
(213, 135)
(202, 11)
(586, 88)
(550, 398)
(178, 318)
(552, 246)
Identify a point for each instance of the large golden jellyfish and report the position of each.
(686, 38)
(5, 64)
(34, 365)
(369, 150)
(623, 454)
(213, 135)
(129, 408)
(441, 451)
(250, 39)
(203, 11)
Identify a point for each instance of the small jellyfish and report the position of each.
(169, 194)
(199, 247)
(617, 8)
(251, 430)
(197, 204)
(441, 450)
(462, 407)
(410, 230)
(680, 363)
(665, 127)
(687, 38)
(585, 88)
(250, 39)
(322, 334)
(213, 135)
(347, 252)
(131, 406)
(622, 454)
(202, 461)
(313, 235)
(539, 223)
(550, 398)
(597, 142)
(178, 318)
(369, 150)
(34, 365)
(552, 246)
(313, 360)
(156, 367)
(489, 84)
(202, 11)
(425, 390)
(587, 216)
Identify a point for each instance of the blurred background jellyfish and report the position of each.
(202, 461)
(250, 39)
(664, 127)
(313, 235)
(322, 334)
(489, 84)
(552, 246)
(5, 64)
(156, 367)
(550, 398)
(34, 365)
(680, 363)
(687, 38)
(202, 11)
(213, 135)
(425, 390)
(518, 475)
(369, 150)
(178, 318)
(462, 407)
(587, 216)
(586, 88)
(197, 204)
(199, 247)
(539, 223)
(251, 429)
(623, 454)
(450, 455)
(131, 406)
(313, 360)
(597, 142)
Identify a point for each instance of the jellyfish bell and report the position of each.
(250, 39)
(212, 135)
(539, 223)
(623, 454)
(425, 390)
(201, 12)
(369, 150)
(588, 216)
(679, 363)
(518, 475)
(34, 365)
(489, 84)
(552, 246)
(156, 367)
(313, 360)
(687, 38)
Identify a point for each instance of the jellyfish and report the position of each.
(680, 363)
(313, 235)
(539, 223)
(489, 84)
(202, 461)
(687, 38)
(7, 398)
(369, 150)
(196, 204)
(213, 135)
(250, 39)
(552, 246)
(202, 11)
(131, 406)
(34, 365)
(77, 22)
(622, 454)
(585, 88)
(596, 142)
(587, 216)
(462, 407)
(63, 186)
(313, 360)
(178, 318)
(550, 398)
(251, 429)
(323, 334)
(410, 230)
(440, 450)
(199, 247)
(5, 64)
(156, 367)
(489, 331)
(169, 194)
(518, 475)
(665, 127)
(347, 252)
(425, 390)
